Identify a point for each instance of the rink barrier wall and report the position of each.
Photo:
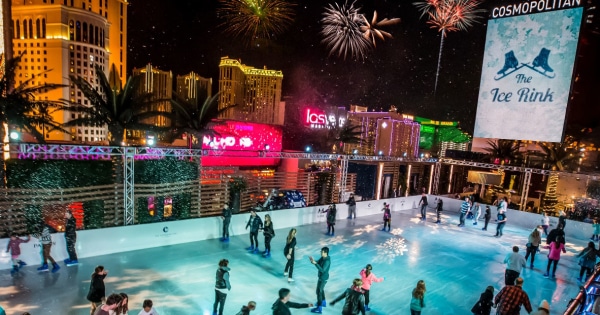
(105, 241)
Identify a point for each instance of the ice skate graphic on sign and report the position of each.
(541, 61)
(510, 62)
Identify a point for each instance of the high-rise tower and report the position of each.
(160, 84)
(69, 37)
(255, 92)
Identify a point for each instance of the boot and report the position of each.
(21, 264)
(251, 248)
(14, 270)
(510, 61)
(542, 60)
(324, 304)
(55, 267)
(317, 309)
(44, 267)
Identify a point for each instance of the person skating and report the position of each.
(246, 309)
(14, 247)
(351, 207)
(587, 261)
(533, 245)
(355, 300)
(226, 216)
(283, 303)
(596, 228)
(148, 309)
(485, 302)
(545, 223)
(417, 302)
(331, 216)
(562, 219)
(289, 251)
(269, 233)
(501, 222)
(515, 262)
(487, 217)
(387, 216)
(112, 303)
(555, 233)
(464, 209)
(123, 307)
(367, 278)
(46, 240)
(323, 265)
(71, 238)
(476, 212)
(438, 209)
(97, 290)
(222, 286)
(555, 248)
(255, 224)
(509, 300)
(423, 203)
(543, 309)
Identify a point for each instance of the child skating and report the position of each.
(14, 247)
(387, 216)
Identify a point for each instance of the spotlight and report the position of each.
(14, 135)
(267, 147)
(308, 148)
(150, 141)
(355, 151)
(380, 152)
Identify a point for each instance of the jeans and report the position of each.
(531, 250)
(46, 253)
(510, 276)
(586, 270)
(439, 216)
(500, 228)
(550, 262)
(268, 243)
(352, 212)
(254, 239)
(321, 292)
(386, 222)
(545, 227)
(71, 248)
(366, 293)
(226, 228)
(413, 312)
(423, 211)
(487, 220)
(462, 218)
(219, 301)
(330, 228)
(289, 266)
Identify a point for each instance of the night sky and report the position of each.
(186, 35)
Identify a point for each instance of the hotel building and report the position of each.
(160, 84)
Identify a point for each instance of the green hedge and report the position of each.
(54, 174)
(93, 214)
(168, 170)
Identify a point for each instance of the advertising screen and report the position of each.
(526, 73)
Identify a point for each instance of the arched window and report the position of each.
(25, 29)
(85, 32)
(43, 28)
(38, 29)
(91, 37)
(96, 35)
(30, 28)
(71, 30)
(78, 31)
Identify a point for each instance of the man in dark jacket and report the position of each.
(423, 203)
(226, 216)
(255, 224)
(553, 235)
(283, 304)
(70, 238)
(322, 265)
(355, 299)
(351, 207)
(222, 286)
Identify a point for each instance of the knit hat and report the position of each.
(545, 305)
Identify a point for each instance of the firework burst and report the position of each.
(256, 19)
(371, 30)
(341, 31)
(449, 16)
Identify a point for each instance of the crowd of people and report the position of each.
(357, 296)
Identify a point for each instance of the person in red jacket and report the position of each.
(368, 277)
(14, 247)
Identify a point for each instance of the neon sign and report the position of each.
(316, 118)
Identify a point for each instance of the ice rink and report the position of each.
(456, 263)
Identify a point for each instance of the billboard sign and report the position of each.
(317, 119)
(527, 71)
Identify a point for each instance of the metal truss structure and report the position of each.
(128, 185)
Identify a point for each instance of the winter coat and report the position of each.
(331, 215)
(588, 257)
(355, 301)
(14, 246)
(535, 241)
(417, 304)
(486, 300)
(440, 206)
(280, 308)
(554, 253)
(70, 229)
(97, 290)
(351, 202)
(226, 214)
(222, 278)
(268, 230)
(554, 234)
(254, 224)
(367, 280)
(323, 265)
(244, 311)
(45, 237)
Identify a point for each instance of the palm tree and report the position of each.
(21, 110)
(503, 151)
(119, 108)
(193, 120)
(558, 156)
(338, 136)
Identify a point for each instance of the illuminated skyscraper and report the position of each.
(255, 92)
(59, 38)
(160, 84)
(193, 88)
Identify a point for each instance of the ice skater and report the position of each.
(148, 309)
(510, 299)
(387, 216)
(533, 244)
(355, 300)
(476, 212)
(14, 247)
(423, 203)
(554, 255)
(417, 303)
(555, 233)
(351, 207)
(485, 302)
(515, 263)
(323, 265)
(97, 290)
(596, 227)
(331, 216)
(255, 224)
(283, 303)
(501, 223)
(246, 309)
(269, 233)
(70, 238)
(226, 217)
(367, 278)
(487, 217)
(112, 303)
(46, 240)
(288, 252)
(438, 209)
(587, 261)
(222, 286)
(123, 308)
(545, 222)
(464, 209)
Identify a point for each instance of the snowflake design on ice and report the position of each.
(366, 229)
(336, 240)
(392, 248)
(397, 232)
(350, 248)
